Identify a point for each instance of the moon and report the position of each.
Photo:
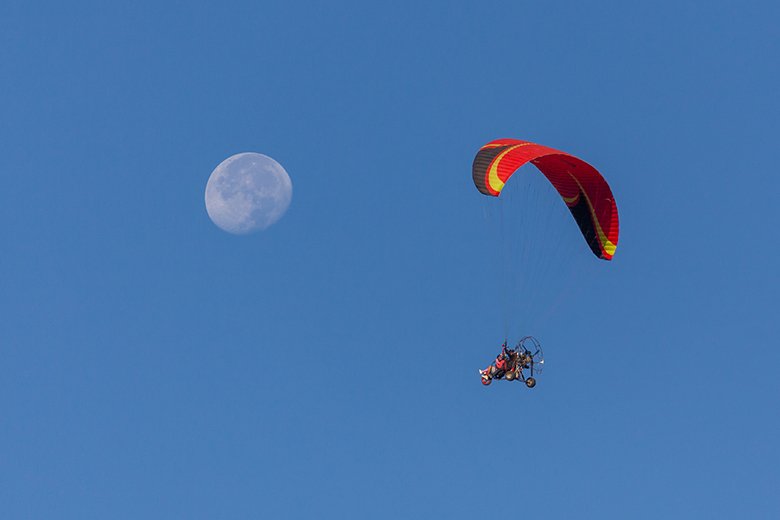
(247, 192)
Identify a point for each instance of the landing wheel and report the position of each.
(530, 382)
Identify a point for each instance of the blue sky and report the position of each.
(153, 366)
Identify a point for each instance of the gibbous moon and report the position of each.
(247, 192)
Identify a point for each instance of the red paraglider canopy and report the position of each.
(583, 189)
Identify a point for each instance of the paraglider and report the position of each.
(587, 196)
(580, 185)
(511, 362)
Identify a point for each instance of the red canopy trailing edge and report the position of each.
(583, 189)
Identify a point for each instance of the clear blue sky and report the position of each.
(153, 366)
